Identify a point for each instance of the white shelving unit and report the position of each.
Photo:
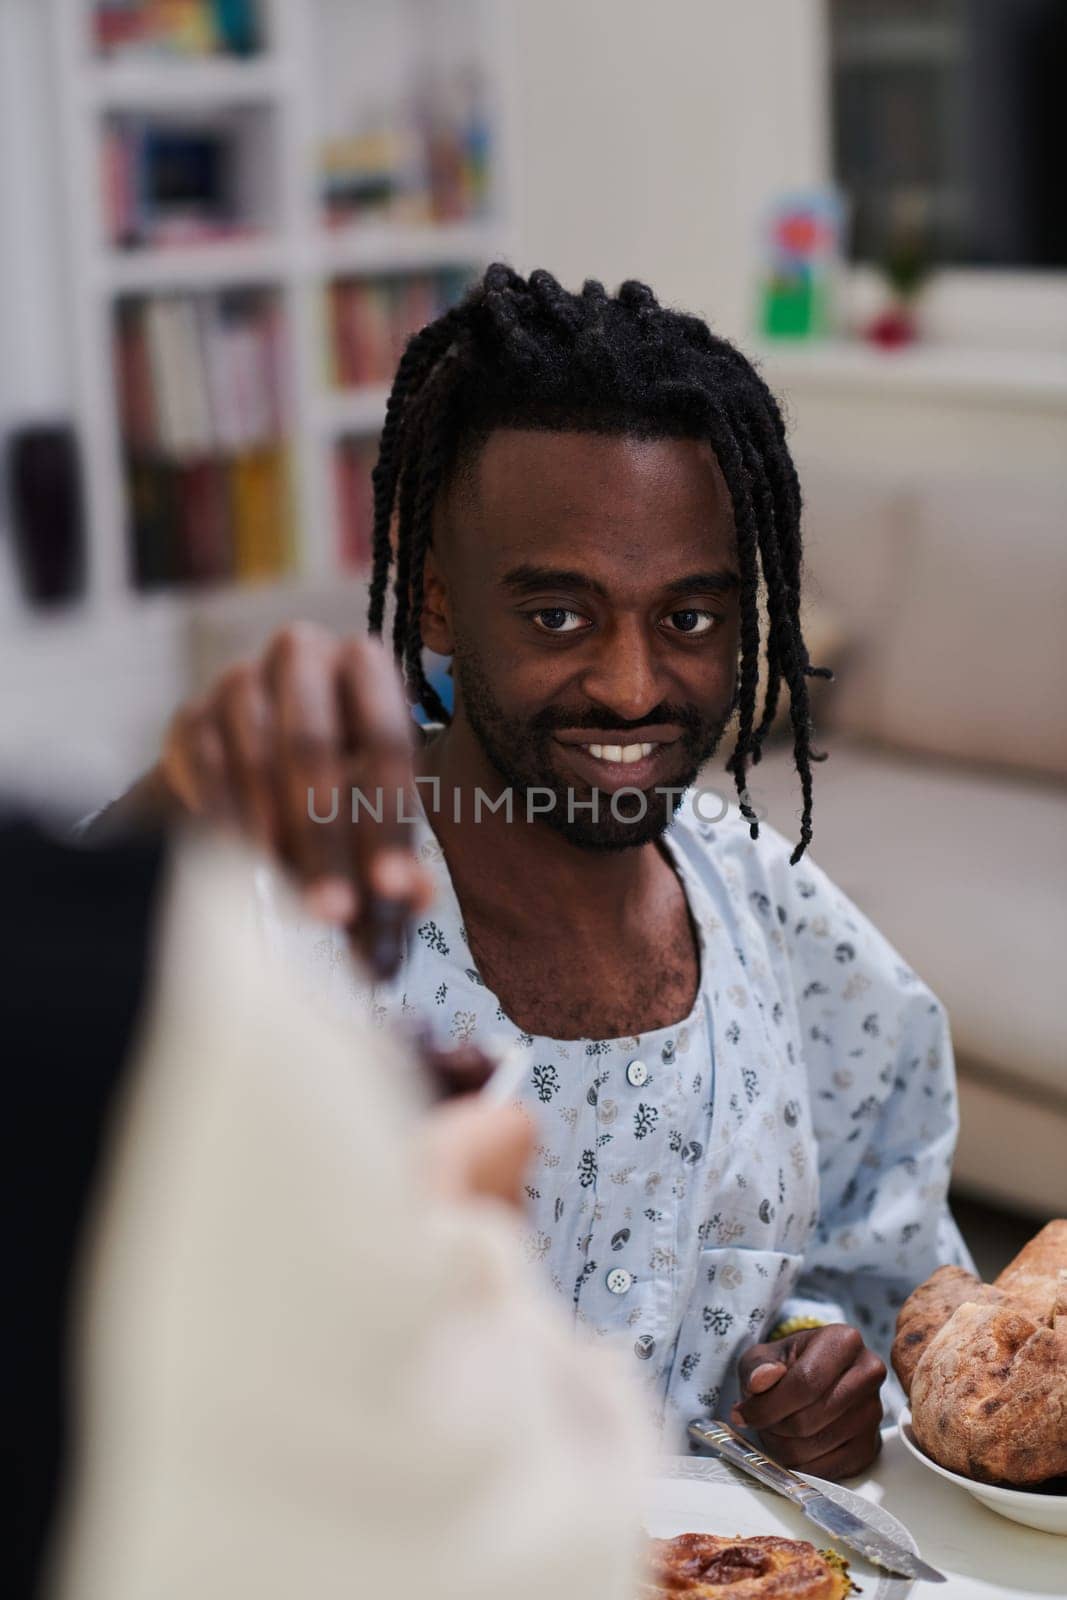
(130, 86)
(297, 257)
(360, 411)
(86, 691)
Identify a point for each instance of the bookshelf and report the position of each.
(330, 148)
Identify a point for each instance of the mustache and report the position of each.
(552, 718)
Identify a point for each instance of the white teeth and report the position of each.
(625, 755)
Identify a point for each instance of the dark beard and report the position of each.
(522, 751)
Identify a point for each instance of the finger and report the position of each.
(777, 1356)
(299, 673)
(765, 1376)
(849, 1459)
(816, 1366)
(379, 730)
(176, 765)
(761, 1355)
(791, 1451)
(243, 715)
(203, 754)
(759, 1380)
(396, 887)
(858, 1384)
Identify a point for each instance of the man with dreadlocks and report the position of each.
(745, 1100)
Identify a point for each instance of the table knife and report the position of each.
(842, 1524)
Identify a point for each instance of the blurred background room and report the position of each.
(220, 219)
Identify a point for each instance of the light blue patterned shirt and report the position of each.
(783, 1150)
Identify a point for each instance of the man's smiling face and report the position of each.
(586, 586)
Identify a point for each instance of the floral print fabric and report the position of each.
(784, 1149)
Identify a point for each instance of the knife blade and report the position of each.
(834, 1519)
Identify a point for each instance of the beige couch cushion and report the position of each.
(966, 875)
(977, 665)
(1010, 1149)
(954, 595)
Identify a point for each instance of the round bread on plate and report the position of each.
(706, 1566)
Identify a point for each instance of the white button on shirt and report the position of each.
(788, 1155)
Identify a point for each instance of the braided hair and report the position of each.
(525, 353)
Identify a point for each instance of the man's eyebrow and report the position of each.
(695, 582)
(527, 578)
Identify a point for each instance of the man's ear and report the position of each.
(436, 621)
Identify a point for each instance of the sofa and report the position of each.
(942, 807)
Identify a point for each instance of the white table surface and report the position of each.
(981, 1554)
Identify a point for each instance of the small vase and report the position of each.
(894, 327)
(48, 513)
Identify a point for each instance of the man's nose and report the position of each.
(623, 675)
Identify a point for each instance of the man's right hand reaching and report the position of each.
(281, 741)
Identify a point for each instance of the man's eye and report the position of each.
(692, 622)
(554, 619)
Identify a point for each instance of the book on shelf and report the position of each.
(353, 464)
(177, 28)
(203, 414)
(426, 157)
(261, 537)
(171, 182)
(370, 319)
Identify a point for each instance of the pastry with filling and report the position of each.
(705, 1566)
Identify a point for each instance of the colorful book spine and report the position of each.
(425, 157)
(353, 464)
(261, 534)
(178, 27)
(369, 321)
(204, 413)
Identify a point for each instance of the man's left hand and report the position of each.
(814, 1398)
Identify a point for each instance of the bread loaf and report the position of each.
(989, 1397)
(985, 1366)
(1037, 1278)
(926, 1311)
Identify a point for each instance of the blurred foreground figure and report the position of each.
(307, 1356)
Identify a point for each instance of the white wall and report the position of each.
(653, 133)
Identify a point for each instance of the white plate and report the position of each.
(699, 1494)
(1033, 1508)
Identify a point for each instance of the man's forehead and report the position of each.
(523, 481)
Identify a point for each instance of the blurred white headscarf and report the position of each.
(299, 1375)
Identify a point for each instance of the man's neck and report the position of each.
(524, 877)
